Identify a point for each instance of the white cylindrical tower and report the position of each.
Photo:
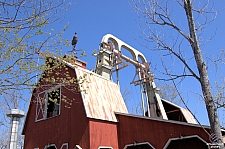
(15, 115)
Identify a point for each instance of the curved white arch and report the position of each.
(119, 44)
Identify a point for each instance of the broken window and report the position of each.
(48, 103)
(53, 102)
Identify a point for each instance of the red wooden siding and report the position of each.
(71, 126)
(103, 133)
(156, 132)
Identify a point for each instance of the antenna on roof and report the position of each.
(74, 43)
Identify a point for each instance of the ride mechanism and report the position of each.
(110, 59)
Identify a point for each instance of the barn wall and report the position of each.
(71, 126)
(103, 133)
(157, 133)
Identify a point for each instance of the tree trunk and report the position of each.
(204, 79)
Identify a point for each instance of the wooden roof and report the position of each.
(101, 97)
(187, 114)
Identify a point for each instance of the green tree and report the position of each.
(26, 43)
(25, 31)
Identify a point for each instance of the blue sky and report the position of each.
(93, 19)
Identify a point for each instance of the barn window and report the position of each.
(48, 103)
(53, 102)
(187, 142)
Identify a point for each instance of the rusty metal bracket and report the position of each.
(144, 74)
(118, 61)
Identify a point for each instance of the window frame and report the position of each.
(185, 137)
(50, 145)
(141, 143)
(41, 107)
(46, 104)
(65, 145)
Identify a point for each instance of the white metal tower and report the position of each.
(15, 115)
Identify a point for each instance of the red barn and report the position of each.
(92, 115)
